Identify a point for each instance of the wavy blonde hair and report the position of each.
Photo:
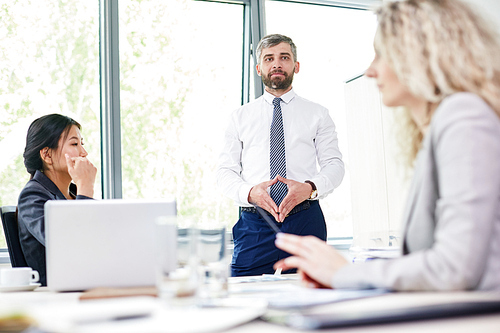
(438, 48)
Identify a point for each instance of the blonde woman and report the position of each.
(438, 60)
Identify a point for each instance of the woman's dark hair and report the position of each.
(44, 132)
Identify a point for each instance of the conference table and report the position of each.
(253, 305)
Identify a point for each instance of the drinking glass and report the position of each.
(213, 262)
(177, 261)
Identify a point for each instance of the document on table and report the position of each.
(264, 278)
(142, 314)
(359, 254)
(291, 296)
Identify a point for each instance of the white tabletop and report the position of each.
(64, 312)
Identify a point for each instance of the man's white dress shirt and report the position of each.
(310, 142)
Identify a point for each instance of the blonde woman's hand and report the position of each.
(83, 173)
(316, 261)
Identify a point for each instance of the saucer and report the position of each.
(28, 287)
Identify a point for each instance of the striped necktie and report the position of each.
(277, 154)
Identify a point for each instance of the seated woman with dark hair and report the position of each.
(58, 164)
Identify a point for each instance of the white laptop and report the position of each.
(102, 243)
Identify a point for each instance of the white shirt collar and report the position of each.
(285, 98)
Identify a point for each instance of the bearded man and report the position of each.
(280, 153)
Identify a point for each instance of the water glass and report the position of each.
(177, 262)
(213, 262)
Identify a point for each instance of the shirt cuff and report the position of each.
(243, 193)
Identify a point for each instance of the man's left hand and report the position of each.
(297, 192)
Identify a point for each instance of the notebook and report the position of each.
(101, 243)
(403, 314)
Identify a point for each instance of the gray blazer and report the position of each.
(452, 218)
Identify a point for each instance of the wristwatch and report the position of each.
(314, 193)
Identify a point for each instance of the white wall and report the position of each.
(379, 182)
(490, 9)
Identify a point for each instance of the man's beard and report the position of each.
(277, 83)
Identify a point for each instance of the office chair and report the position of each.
(11, 231)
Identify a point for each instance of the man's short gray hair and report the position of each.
(273, 40)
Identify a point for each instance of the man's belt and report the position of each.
(300, 207)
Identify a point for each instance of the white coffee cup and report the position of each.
(18, 276)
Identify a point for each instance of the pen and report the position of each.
(273, 226)
(267, 219)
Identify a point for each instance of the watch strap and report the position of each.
(314, 192)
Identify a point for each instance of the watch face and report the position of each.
(314, 194)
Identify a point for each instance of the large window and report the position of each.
(48, 64)
(333, 45)
(184, 65)
(181, 76)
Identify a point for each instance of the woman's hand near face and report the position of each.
(83, 173)
(316, 261)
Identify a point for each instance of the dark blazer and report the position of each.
(31, 221)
